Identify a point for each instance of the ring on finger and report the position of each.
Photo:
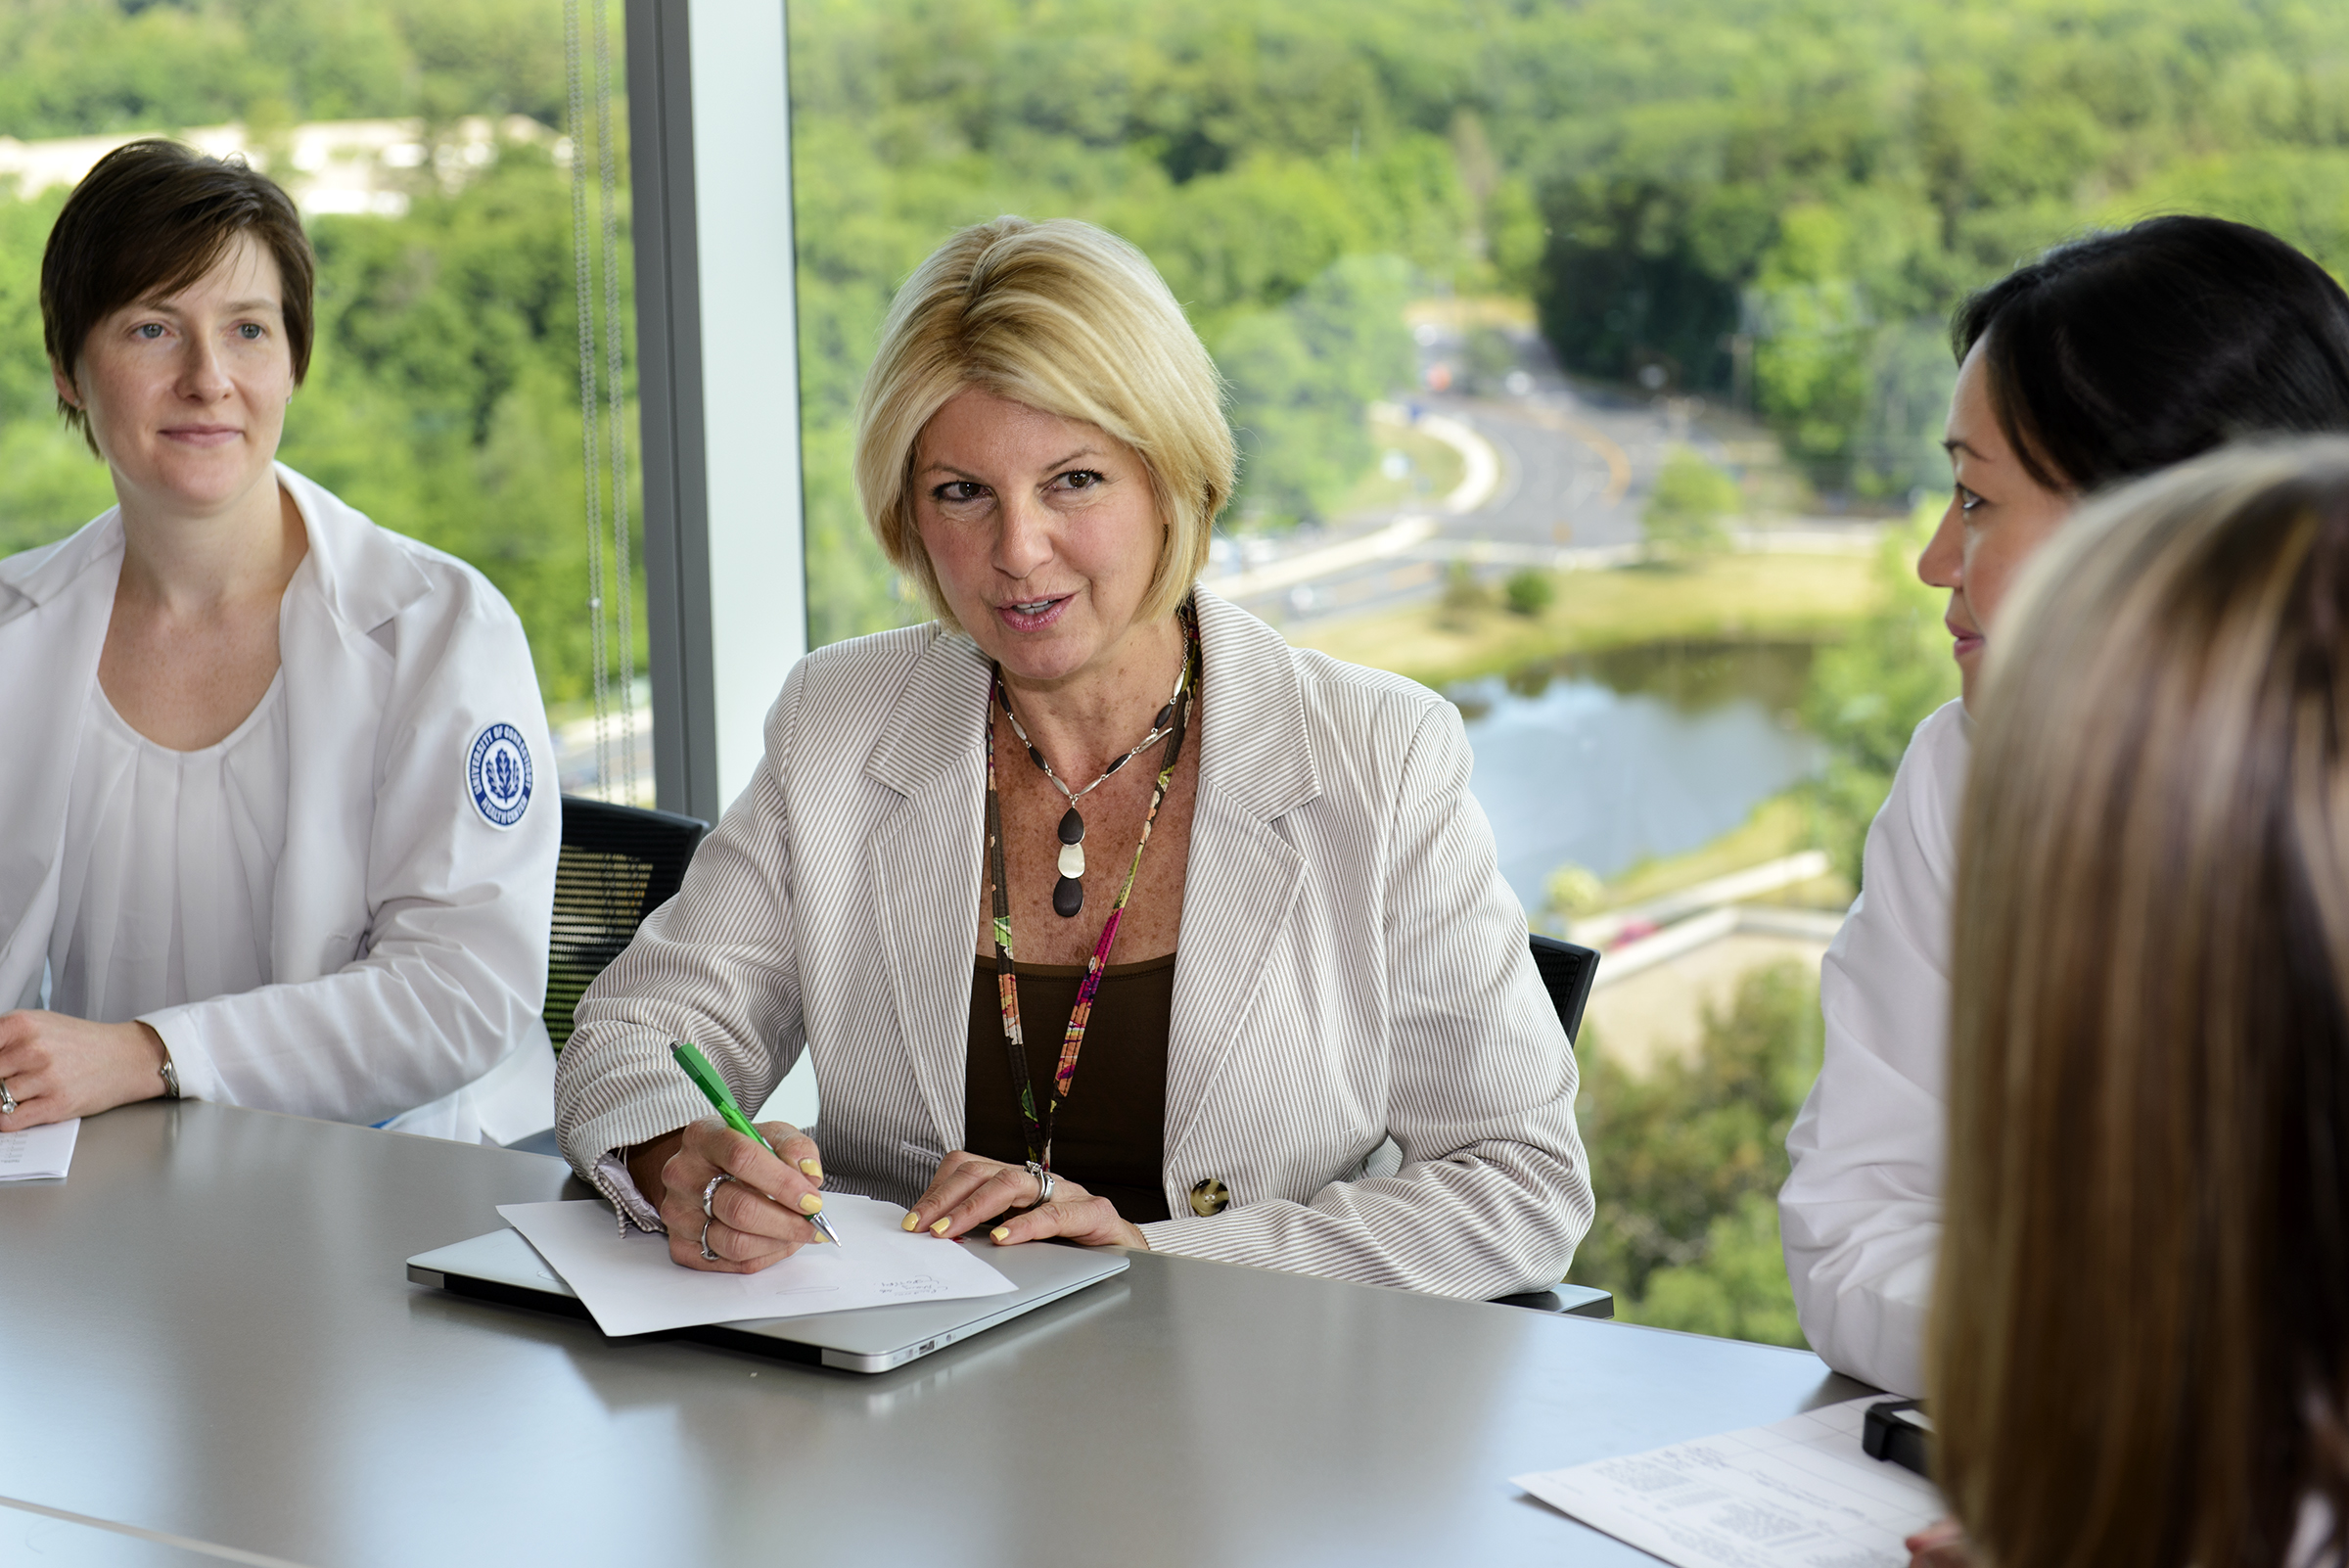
(709, 1193)
(707, 1255)
(1043, 1182)
(8, 1101)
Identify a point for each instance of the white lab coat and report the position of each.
(409, 938)
(1860, 1214)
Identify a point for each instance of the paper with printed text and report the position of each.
(41, 1153)
(1797, 1494)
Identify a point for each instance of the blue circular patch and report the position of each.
(499, 775)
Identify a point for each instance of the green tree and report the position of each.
(1301, 378)
(74, 67)
(1684, 512)
(49, 482)
(1687, 1163)
(1867, 694)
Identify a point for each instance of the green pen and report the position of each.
(705, 1079)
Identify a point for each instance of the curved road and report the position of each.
(1573, 473)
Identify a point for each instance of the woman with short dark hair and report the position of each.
(2105, 359)
(270, 833)
(2142, 1334)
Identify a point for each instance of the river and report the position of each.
(1604, 759)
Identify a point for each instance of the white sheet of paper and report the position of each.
(38, 1153)
(631, 1287)
(1796, 1493)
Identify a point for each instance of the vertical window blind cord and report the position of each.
(605, 335)
(615, 399)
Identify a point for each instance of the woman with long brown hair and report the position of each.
(2141, 1342)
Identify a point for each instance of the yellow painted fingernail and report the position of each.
(940, 1228)
(1001, 1232)
(913, 1219)
(810, 1203)
(813, 1169)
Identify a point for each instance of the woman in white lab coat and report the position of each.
(281, 824)
(2106, 359)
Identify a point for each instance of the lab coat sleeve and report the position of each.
(1861, 1213)
(1494, 1192)
(450, 973)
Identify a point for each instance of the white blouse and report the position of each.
(1860, 1214)
(170, 865)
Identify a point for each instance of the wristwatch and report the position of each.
(170, 1079)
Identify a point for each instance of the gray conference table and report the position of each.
(209, 1350)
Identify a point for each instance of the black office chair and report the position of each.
(620, 863)
(1567, 972)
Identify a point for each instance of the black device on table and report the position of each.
(1896, 1431)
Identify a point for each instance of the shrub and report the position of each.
(1465, 598)
(1528, 592)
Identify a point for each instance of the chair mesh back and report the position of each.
(1566, 973)
(620, 863)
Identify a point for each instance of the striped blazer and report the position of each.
(1351, 967)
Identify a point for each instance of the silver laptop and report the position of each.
(502, 1267)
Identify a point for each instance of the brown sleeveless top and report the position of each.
(1111, 1135)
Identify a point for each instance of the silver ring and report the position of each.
(709, 1192)
(707, 1255)
(8, 1101)
(1043, 1183)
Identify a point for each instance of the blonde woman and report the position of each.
(2141, 1329)
(1102, 912)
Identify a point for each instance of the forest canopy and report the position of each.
(1768, 203)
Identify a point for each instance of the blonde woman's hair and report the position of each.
(2141, 1341)
(1068, 319)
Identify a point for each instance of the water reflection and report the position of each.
(1604, 759)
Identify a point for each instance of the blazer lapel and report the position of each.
(1256, 763)
(55, 605)
(925, 858)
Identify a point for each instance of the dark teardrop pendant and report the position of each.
(1072, 827)
(1068, 898)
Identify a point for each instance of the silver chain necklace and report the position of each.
(1068, 893)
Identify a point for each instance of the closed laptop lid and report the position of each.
(503, 1266)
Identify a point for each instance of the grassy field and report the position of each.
(1762, 597)
(1780, 826)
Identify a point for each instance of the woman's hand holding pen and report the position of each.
(757, 1219)
(970, 1190)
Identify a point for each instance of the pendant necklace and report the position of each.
(1068, 893)
(1173, 722)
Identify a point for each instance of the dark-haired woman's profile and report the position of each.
(270, 833)
(2109, 358)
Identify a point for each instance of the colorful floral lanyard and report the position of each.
(1039, 1133)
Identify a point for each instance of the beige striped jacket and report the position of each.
(1353, 967)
